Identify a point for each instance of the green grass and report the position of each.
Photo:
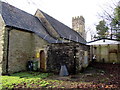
(25, 80)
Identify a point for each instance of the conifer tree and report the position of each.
(102, 29)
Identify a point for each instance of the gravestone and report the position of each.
(63, 71)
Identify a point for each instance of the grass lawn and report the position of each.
(91, 78)
(24, 80)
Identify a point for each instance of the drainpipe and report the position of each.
(8, 35)
(74, 60)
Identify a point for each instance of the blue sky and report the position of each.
(64, 10)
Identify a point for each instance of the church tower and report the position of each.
(78, 24)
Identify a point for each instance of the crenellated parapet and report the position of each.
(78, 18)
(78, 24)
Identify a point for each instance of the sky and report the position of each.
(64, 10)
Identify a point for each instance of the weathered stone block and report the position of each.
(65, 54)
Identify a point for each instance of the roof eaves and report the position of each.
(102, 39)
(8, 26)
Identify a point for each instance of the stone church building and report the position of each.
(39, 37)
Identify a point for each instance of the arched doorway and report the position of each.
(42, 60)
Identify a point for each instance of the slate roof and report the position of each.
(15, 17)
(63, 30)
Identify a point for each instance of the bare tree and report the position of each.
(109, 16)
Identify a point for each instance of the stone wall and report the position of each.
(20, 50)
(5, 53)
(69, 54)
(39, 44)
(2, 31)
(23, 46)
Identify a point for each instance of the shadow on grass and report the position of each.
(31, 74)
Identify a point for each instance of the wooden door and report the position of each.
(42, 60)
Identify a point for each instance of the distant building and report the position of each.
(105, 50)
(78, 24)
